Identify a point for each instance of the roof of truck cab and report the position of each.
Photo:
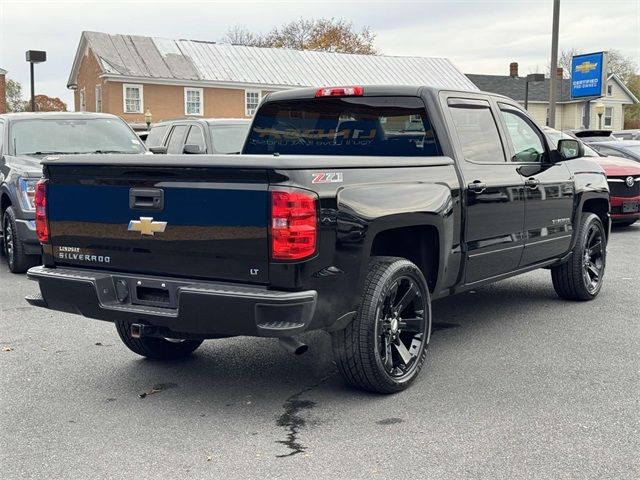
(375, 90)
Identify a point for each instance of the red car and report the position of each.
(623, 176)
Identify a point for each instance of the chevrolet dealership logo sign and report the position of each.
(146, 226)
(586, 67)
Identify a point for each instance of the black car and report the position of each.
(198, 136)
(623, 148)
(589, 136)
(26, 138)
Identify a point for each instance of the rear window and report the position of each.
(156, 135)
(373, 126)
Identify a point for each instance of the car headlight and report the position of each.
(27, 187)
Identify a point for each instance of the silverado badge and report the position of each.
(146, 226)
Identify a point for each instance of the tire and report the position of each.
(155, 347)
(12, 246)
(580, 278)
(368, 351)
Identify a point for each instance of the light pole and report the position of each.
(532, 77)
(599, 111)
(148, 117)
(554, 63)
(34, 56)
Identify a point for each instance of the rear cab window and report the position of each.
(372, 126)
(156, 135)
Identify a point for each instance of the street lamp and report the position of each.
(599, 111)
(34, 56)
(532, 77)
(147, 118)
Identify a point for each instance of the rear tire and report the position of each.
(580, 278)
(13, 248)
(155, 347)
(383, 349)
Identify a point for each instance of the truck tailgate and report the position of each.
(179, 221)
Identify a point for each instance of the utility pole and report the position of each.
(554, 63)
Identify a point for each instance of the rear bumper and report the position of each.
(192, 308)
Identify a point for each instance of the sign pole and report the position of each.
(554, 63)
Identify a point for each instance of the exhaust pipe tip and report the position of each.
(292, 345)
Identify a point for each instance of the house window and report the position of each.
(609, 90)
(98, 98)
(608, 117)
(193, 101)
(132, 98)
(251, 101)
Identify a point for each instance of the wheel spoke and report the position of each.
(403, 353)
(592, 234)
(595, 249)
(388, 357)
(593, 269)
(406, 299)
(412, 324)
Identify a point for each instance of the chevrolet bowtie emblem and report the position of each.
(586, 67)
(146, 226)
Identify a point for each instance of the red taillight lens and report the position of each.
(293, 225)
(340, 92)
(42, 222)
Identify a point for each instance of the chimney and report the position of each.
(513, 69)
(560, 73)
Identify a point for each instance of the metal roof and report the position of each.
(192, 61)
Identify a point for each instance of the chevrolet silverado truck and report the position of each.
(349, 210)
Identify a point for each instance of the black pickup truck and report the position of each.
(350, 210)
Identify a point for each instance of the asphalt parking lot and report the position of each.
(518, 384)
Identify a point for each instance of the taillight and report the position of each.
(340, 92)
(293, 225)
(42, 222)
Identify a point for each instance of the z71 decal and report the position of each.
(329, 177)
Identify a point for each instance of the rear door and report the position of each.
(177, 221)
(494, 190)
(175, 140)
(549, 188)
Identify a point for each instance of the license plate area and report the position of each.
(630, 207)
(148, 292)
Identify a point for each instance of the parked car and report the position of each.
(627, 134)
(350, 209)
(623, 177)
(623, 148)
(142, 135)
(25, 138)
(588, 136)
(198, 136)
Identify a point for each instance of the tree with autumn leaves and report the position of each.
(327, 35)
(44, 103)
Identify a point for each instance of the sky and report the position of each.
(478, 36)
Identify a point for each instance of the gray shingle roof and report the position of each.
(167, 59)
(513, 87)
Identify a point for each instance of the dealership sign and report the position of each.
(588, 75)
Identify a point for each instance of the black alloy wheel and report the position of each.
(400, 327)
(7, 243)
(593, 258)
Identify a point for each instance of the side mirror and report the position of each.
(570, 148)
(158, 150)
(192, 149)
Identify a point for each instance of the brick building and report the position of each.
(3, 91)
(126, 75)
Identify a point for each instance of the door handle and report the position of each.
(532, 183)
(146, 198)
(477, 186)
